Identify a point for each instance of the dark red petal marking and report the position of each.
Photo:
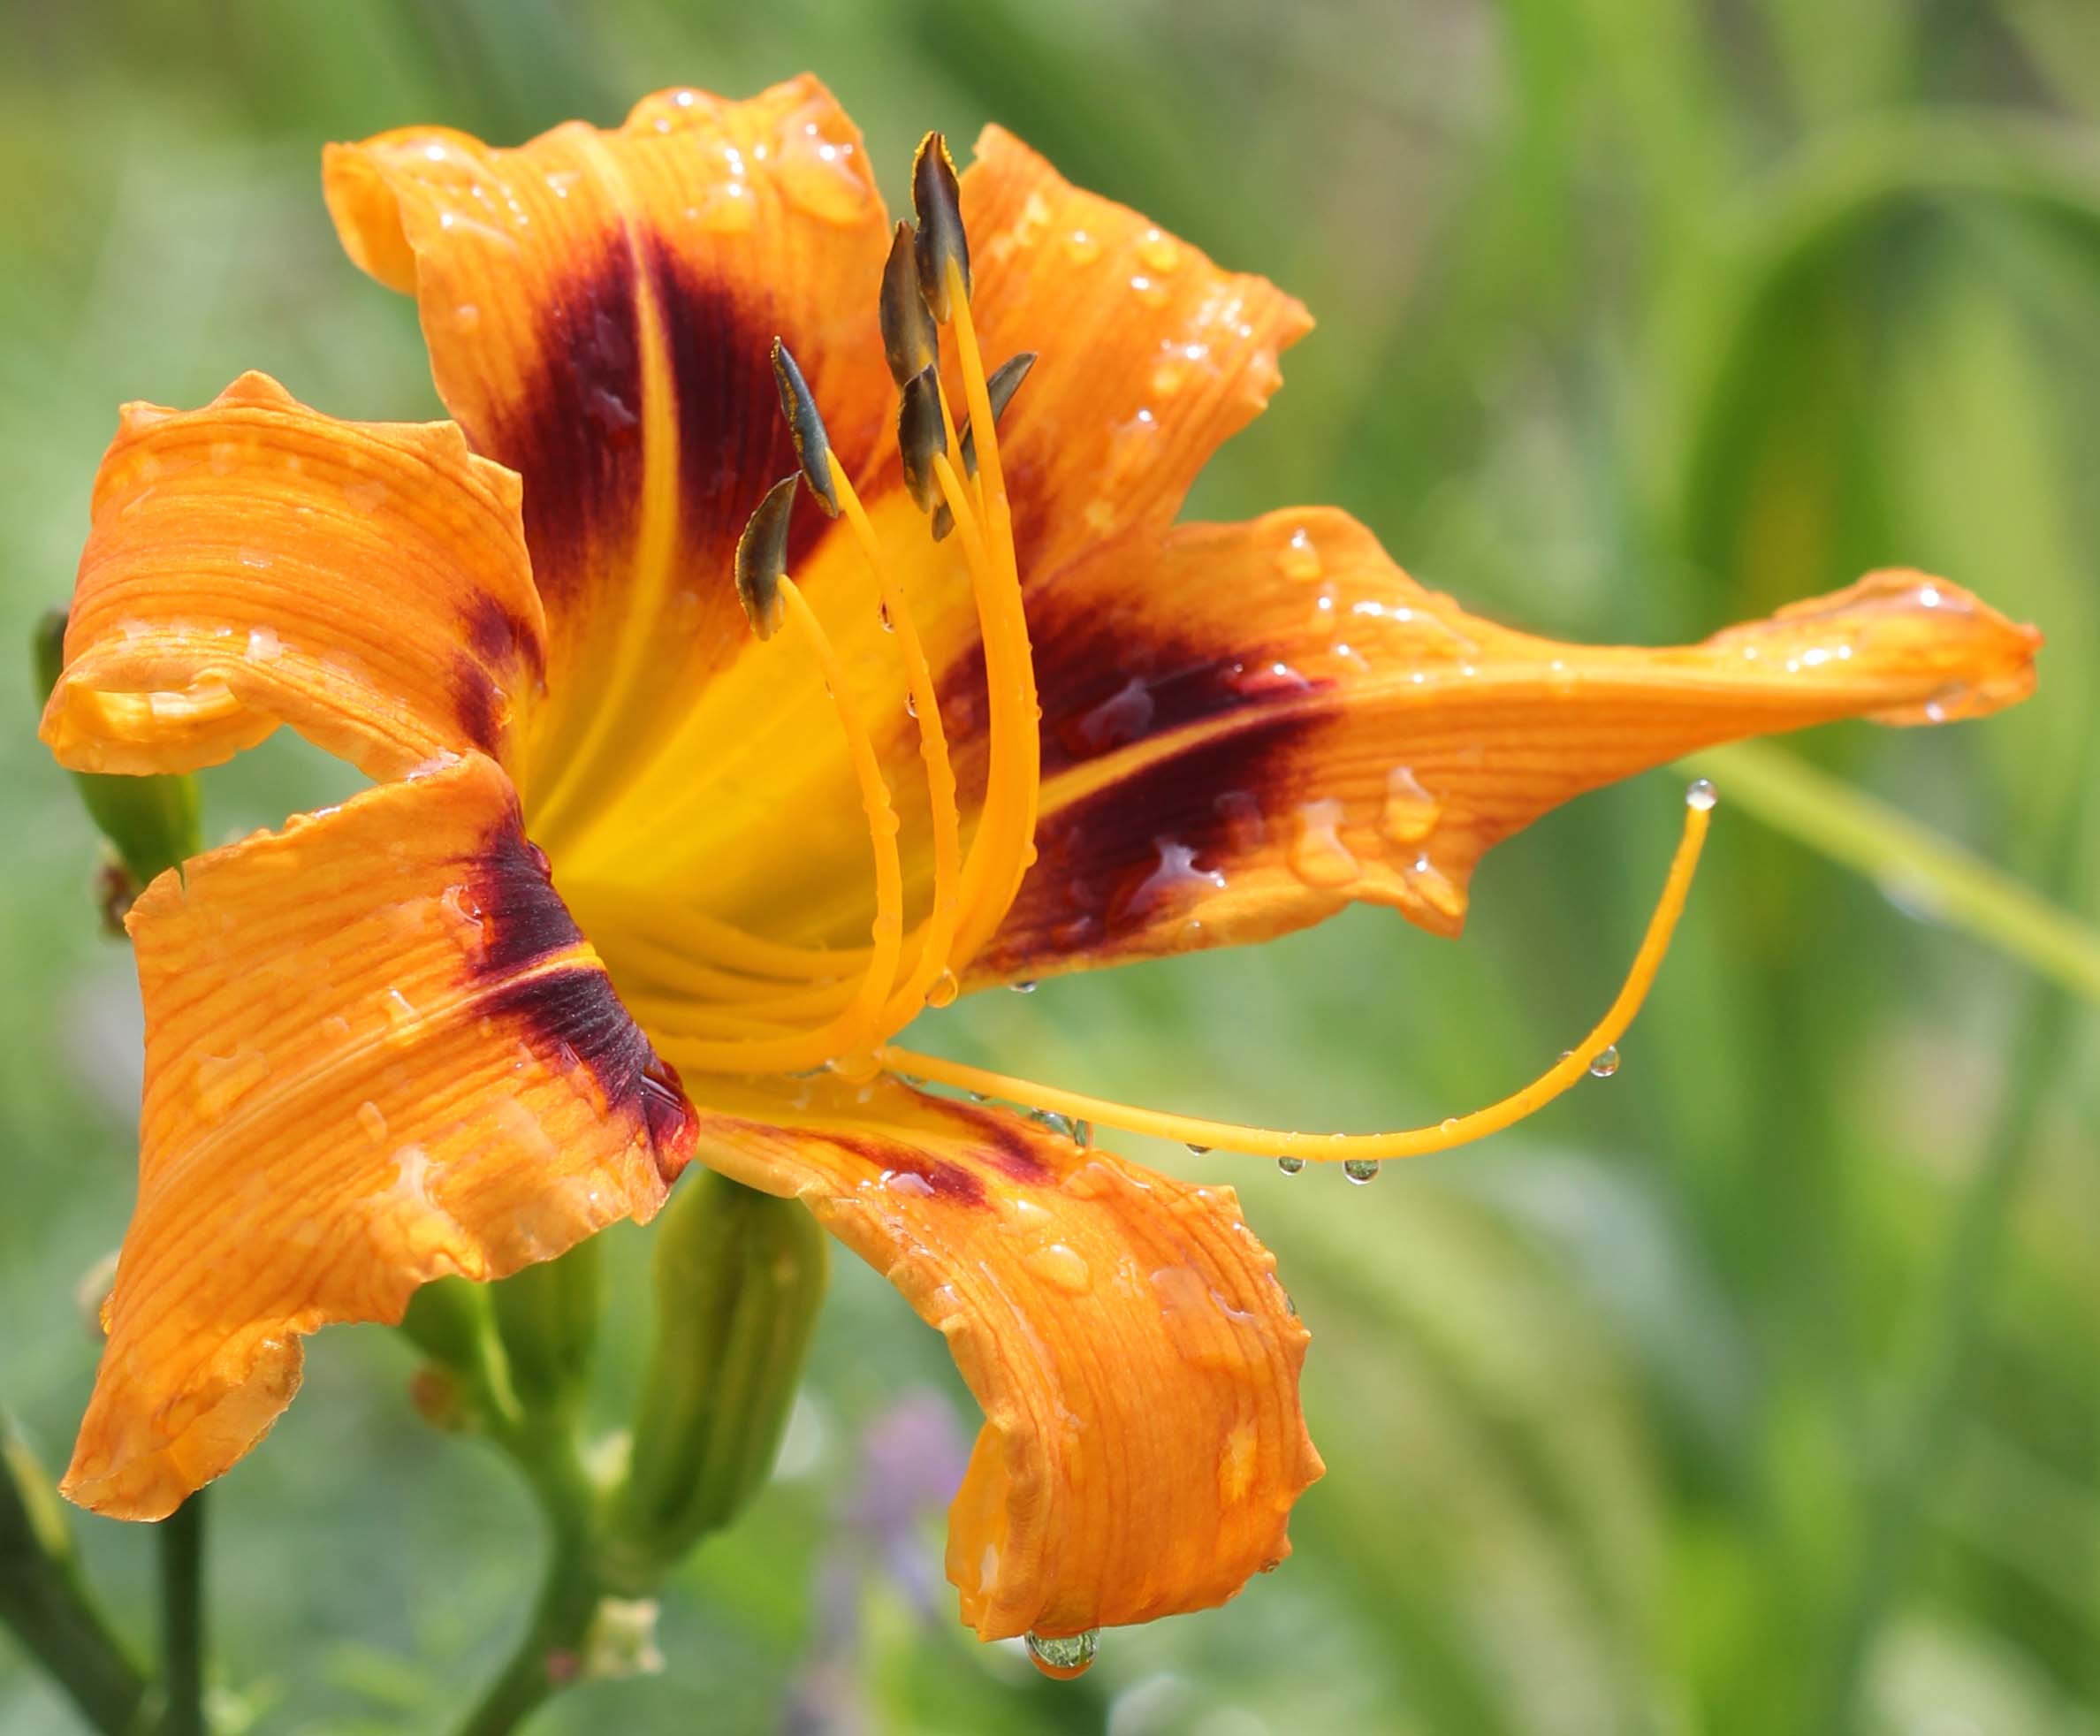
(574, 433)
(572, 1013)
(1109, 864)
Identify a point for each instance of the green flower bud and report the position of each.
(547, 1318)
(739, 1278)
(154, 824)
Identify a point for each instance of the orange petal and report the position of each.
(377, 1052)
(1246, 727)
(255, 562)
(600, 308)
(1136, 1359)
(1149, 356)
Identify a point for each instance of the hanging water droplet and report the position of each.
(1290, 1165)
(978, 1096)
(942, 990)
(1056, 1122)
(1082, 1134)
(1061, 1659)
(1361, 1169)
(1605, 1062)
(1196, 1150)
(1026, 985)
(1702, 795)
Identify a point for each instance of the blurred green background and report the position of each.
(1754, 1390)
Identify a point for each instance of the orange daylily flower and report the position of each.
(395, 1039)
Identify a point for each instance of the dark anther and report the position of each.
(812, 444)
(1000, 389)
(761, 558)
(920, 435)
(937, 197)
(909, 338)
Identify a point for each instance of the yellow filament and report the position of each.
(938, 935)
(1016, 749)
(668, 945)
(1413, 1142)
(855, 1030)
(992, 844)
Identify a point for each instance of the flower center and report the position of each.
(779, 1008)
(820, 1015)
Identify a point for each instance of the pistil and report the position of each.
(1362, 1147)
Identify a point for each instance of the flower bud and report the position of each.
(547, 1318)
(154, 824)
(739, 1278)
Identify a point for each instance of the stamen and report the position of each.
(1359, 1147)
(910, 340)
(1005, 382)
(1019, 756)
(761, 558)
(770, 595)
(943, 248)
(921, 433)
(813, 444)
(989, 873)
(670, 936)
(939, 931)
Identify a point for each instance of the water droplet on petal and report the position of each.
(1159, 252)
(1026, 985)
(888, 625)
(1299, 560)
(1061, 1659)
(1411, 811)
(1290, 1165)
(1605, 1062)
(1196, 1150)
(910, 705)
(1060, 1267)
(942, 990)
(1320, 858)
(1702, 795)
(1361, 1169)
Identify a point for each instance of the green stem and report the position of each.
(42, 1600)
(1897, 1506)
(551, 1652)
(182, 1539)
(1904, 857)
